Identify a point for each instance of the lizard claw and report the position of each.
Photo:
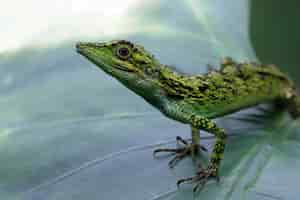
(182, 152)
(201, 178)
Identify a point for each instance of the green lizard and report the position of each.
(193, 100)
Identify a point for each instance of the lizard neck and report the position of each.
(149, 89)
(179, 85)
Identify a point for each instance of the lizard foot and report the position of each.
(181, 152)
(201, 177)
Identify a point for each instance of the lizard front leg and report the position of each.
(187, 148)
(178, 112)
(217, 154)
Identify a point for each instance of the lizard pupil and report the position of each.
(123, 52)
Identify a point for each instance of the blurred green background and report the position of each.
(274, 31)
(69, 131)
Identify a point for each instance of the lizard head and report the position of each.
(130, 63)
(120, 58)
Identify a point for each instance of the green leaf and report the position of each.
(69, 131)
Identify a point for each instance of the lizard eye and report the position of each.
(123, 52)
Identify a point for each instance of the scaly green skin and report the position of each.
(193, 100)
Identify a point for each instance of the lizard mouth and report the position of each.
(123, 68)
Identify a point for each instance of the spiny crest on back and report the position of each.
(231, 77)
(245, 70)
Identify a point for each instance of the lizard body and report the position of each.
(194, 100)
(233, 87)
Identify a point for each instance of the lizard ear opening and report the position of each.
(152, 72)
